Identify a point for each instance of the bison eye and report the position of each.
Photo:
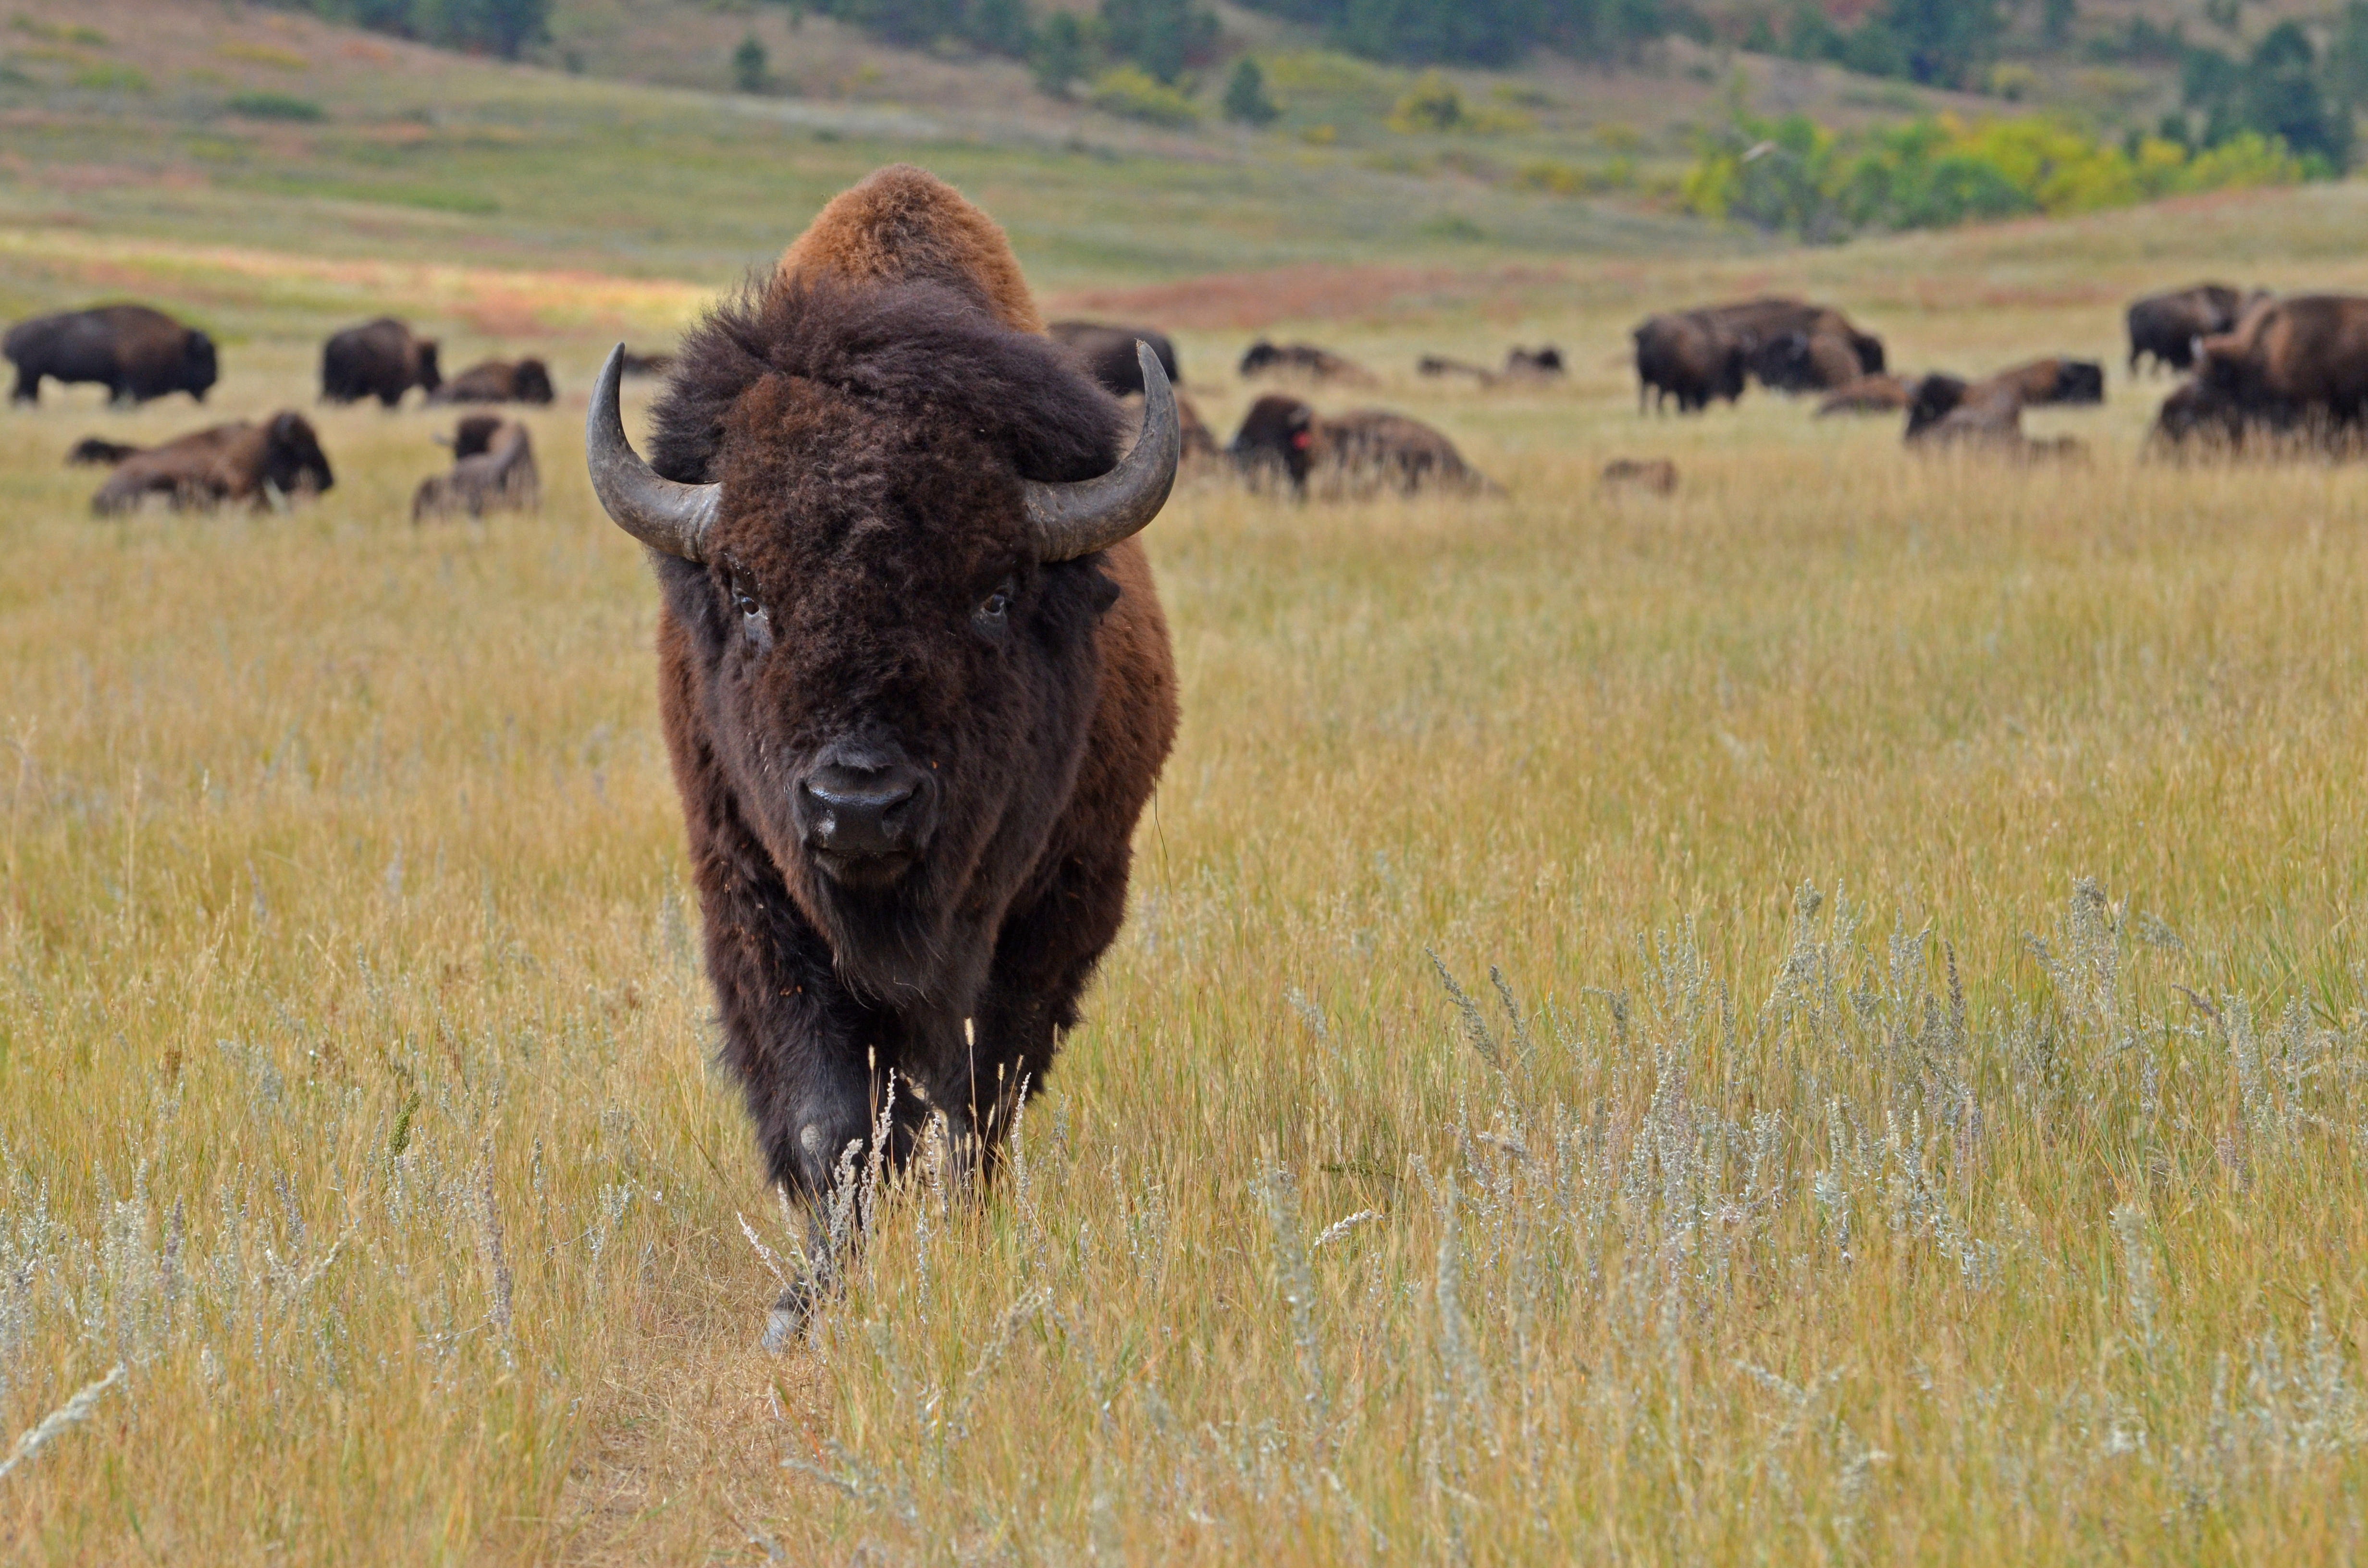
(993, 610)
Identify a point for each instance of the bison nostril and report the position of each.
(864, 811)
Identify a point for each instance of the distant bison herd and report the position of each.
(2260, 370)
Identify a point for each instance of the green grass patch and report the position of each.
(274, 106)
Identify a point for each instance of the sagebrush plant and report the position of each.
(1889, 1085)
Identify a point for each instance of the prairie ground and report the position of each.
(1816, 1018)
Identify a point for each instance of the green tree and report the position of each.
(2281, 96)
(1246, 97)
(1063, 52)
(749, 65)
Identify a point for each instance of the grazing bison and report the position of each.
(2164, 327)
(135, 352)
(1690, 358)
(1304, 360)
(492, 469)
(1108, 353)
(383, 359)
(914, 675)
(1353, 453)
(257, 464)
(2299, 359)
(499, 381)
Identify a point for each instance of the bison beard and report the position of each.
(872, 618)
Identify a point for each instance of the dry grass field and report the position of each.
(1814, 1019)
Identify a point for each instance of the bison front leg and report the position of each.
(28, 387)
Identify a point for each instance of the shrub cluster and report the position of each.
(1479, 32)
(1797, 176)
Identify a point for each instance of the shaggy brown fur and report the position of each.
(1689, 356)
(904, 225)
(225, 463)
(874, 600)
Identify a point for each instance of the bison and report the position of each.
(1521, 365)
(1352, 453)
(383, 359)
(1108, 353)
(657, 363)
(2164, 327)
(2303, 358)
(2041, 381)
(493, 469)
(97, 451)
(499, 381)
(135, 352)
(242, 461)
(913, 676)
(1797, 346)
(1690, 358)
(1303, 360)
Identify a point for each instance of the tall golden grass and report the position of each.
(1889, 1085)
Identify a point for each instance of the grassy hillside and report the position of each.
(1918, 1119)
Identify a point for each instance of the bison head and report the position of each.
(531, 383)
(878, 517)
(2080, 380)
(199, 367)
(292, 458)
(1277, 432)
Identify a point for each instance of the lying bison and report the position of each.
(135, 352)
(914, 673)
(1354, 453)
(1305, 361)
(1521, 365)
(383, 359)
(1690, 358)
(1108, 353)
(492, 469)
(499, 381)
(254, 464)
(2164, 327)
(2031, 385)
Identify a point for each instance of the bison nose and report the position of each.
(860, 813)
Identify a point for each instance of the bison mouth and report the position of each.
(862, 873)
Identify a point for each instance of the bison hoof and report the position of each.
(787, 1319)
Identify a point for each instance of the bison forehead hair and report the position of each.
(871, 441)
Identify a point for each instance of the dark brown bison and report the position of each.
(1794, 346)
(1302, 361)
(499, 381)
(1354, 453)
(1108, 353)
(2031, 385)
(1520, 365)
(914, 675)
(1542, 363)
(492, 469)
(2303, 360)
(2164, 327)
(1439, 367)
(258, 463)
(1690, 358)
(656, 364)
(383, 359)
(135, 352)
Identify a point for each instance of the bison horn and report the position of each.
(1071, 520)
(676, 518)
